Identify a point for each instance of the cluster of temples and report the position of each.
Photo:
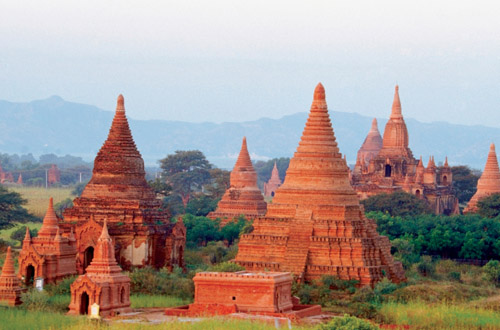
(117, 203)
(386, 165)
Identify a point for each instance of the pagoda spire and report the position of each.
(27, 236)
(104, 261)
(396, 105)
(50, 224)
(395, 141)
(446, 162)
(243, 173)
(8, 269)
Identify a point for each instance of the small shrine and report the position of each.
(273, 184)
(10, 289)
(104, 283)
(50, 255)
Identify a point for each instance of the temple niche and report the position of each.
(273, 184)
(118, 192)
(488, 183)
(50, 255)
(387, 165)
(103, 283)
(243, 197)
(315, 225)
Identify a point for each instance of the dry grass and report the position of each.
(38, 198)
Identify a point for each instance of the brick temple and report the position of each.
(243, 197)
(315, 225)
(10, 288)
(103, 284)
(273, 184)
(387, 165)
(49, 255)
(53, 175)
(488, 183)
(118, 192)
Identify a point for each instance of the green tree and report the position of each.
(19, 233)
(396, 204)
(186, 172)
(77, 191)
(464, 182)
(160, 187)
(200, 230)
(201, 205)
(11, 209)
(489, 206)
(218, 184)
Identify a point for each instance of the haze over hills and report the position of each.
(57, 126)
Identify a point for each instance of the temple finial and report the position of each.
(319, 92)
(120, 103)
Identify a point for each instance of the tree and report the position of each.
(464, 182)
(396, 204)
(19, 233)
(186, 172)
(489, 206)
(11, 209)
(218, 184)
(264, 169)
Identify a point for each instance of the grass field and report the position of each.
(144, 301)
(5, 234)
(38, 198)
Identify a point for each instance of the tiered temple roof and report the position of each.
(315, 225)
(372, 144)
(489, 183)
(243, 197)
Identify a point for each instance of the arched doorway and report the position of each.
(388, 171)
(84, 303)
(272, 193)
(30, 275)
(417, 193)
(88, 255)
(445, 180)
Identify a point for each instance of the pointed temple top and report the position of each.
(396, 105)
(420, 162)
(446, 161)
(491, 167)
(275, 173)
(104, 261)
(319, 92)
(243, 174)
(492, 147)
(105, 233)
(8, 266)
(27, 236)
(50, 222)
(374, 127)
(120, 103)
(317, 172)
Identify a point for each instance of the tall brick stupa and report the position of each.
(118, 192)
(315, 225)
(372, 144)
(10, 288)
(243, 197)
(488, 183)
(274, 182)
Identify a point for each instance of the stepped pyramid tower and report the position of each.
(49, 255)
(243, 197)
(10, 289)
(315, 225)
(393, 168)
(273, 183)
(118, 192)
(103, 283)
(371, 146)
(488, 183)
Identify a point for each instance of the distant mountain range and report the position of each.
(57, 126)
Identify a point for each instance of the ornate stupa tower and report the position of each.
(243, 197)
(118, 192)
(49, 255)
(103, 283)
(10, 289)
(371, 146)
(273, 184)
(315, 225)
(488, 183)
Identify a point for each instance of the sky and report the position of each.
(224, 60)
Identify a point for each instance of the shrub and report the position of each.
(150, 281)
(61, 288)
(35, 300)
(426, 267)
(20, 232)
(226, 267)
(491, 271)
(347, 323)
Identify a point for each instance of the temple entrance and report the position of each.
(445, 180)
(272, 194)
(30, 275)
(388, 171)
(417, 193)
(88, 255)
(84, 303)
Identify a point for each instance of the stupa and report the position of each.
(10, 289)
(103, 284)
(53, 175)
(372, 144)
(488, 183)
(118, 192)
(315, 225)
(393, 168)
(243, 197)
(49, 255)
(273, 184)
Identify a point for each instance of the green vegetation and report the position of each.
(464, 182)
(396, 204)
(348, 323)
(6, 234)
(20, 318)
(149, 281)
(489, 207)
(11, 209)
(38, 197)
(147, 301)
(200, 230)
(265, 168)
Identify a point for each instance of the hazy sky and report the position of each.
(241, 60)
